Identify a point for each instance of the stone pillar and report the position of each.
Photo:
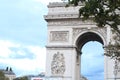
(62, 63)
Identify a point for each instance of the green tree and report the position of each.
(2, 76)
(103, 12)
(22, 78)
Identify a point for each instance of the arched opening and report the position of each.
(94, 39)
(86, 37)
(92, 61)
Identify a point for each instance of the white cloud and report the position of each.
(40, 55)
(4, 48)
(32, 6)
(22, 18)
(92, 60)
(23, 22)
(26, 65)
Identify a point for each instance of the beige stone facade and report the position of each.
(66, 36)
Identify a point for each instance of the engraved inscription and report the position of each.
(59, 36)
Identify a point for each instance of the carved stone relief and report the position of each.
(116, 68)
(58, 64)
(59, 36)
(76, 31)
(115, 39)
(102, 31)
(119, 68)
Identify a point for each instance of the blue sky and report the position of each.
(23, 36)
(92, 61)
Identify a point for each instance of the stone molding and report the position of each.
(57, 4)
(61, 4)
(61, 46)
(69, 22)
(61, 16)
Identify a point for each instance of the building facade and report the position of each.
(67, 34)
(9, 73)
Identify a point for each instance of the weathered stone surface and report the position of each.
(66, 36)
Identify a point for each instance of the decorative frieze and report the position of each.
(76, 31)
(69, 22)
(59, 36)
(101, 31)
(58, 64)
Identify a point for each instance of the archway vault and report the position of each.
(86, 37)
(89, 33)
(81, 40)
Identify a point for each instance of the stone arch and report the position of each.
(82, 39)
(90, 35)
(66, 35)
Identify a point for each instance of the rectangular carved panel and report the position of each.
(59, 36)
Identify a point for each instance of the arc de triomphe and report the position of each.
(66, 36)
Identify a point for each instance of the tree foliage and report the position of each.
(22, 78)
(103, 12)
(2, 76)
